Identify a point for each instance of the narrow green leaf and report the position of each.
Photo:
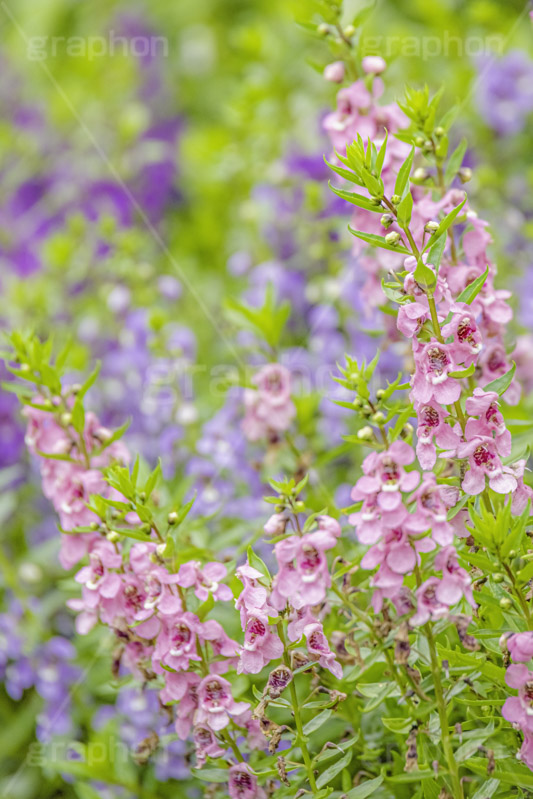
(331, 772)
(357, 199)
(403, 173)
(455, 161)
(378, 241)
(501, 384)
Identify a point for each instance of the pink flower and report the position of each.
(205, 580)
(298, 621)
(176, 644)
(373, 64)
(269, 408)
(483, 458)
(411, 317)
(490, 423)
(523, 493)
(318, 648)
(518, 709)
(243, 783)
(261, 644)
(334, 72)
(206, 745)
(520, 646)
(216, 705)
(303, 575)
(385, 476)
(182, 688)
(428, 605)
(253, 595)
(431, 511)
(97, 576)
(456, 581)
(465, 332)
(434, 362)
(276, 524)
(432, 429)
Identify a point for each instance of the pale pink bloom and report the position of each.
(434, 362)
(483, 458)
(385, 476)
(216, 705)
(411, 317)
(432, 430)
(523, 493)
(318, 648)
(276, 524)
(518, 709)
(396, 553)
(484, 404)
(206, 745)
(243, 783)
(303, 575)
(69, 487)
(334, 72)
(43, 433)
(428, 605)
(205, 580)
(176, 643)
(373, 64)
(431, 511)
(465, 332)
(298, 621)
(456, 582)
(97, 577)
(221, 644)
(261, 644)
(183, 688)
(328, 524)
(520, 646)
(269, 408)
(75, 547)
(253, 596)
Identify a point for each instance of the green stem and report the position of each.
(229, 740)
(297, 718)
(518, 593)
(443, 716)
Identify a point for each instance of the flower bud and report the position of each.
(387, 220)
(439, 132)
(420, 174)
(113, 536)
(395, 199)
(66, 419)
(431, 227)
(419, 141)
(334, 72)
(160, 549)
(392, 238)
(498, 577)
(378, 418)
(322, 29)
(505, 603)
(365, 434)
(465, 174)
(373, 64)
(349, 31)
(276, 524)
(172, 517)
(278, 680)
(380, 393)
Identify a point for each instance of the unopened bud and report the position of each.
(378, 418)
(387, 220)
(505, 603)
(172, 517)
(380, 393)
(407, 431)
(160, 549)
(419, 141)
(113, 536)
(431, 227)
(276, 524)
(365, 434)
(373, 64)
(66, 419)
(334, 72)
(395, 199)
(439, 132)
(393, 237)
(322, 29)
(349, 31)
(465, 174)
(498, 577)
(420, 174)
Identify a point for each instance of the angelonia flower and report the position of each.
(517, 709)
(269, 407)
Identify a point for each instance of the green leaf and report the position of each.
(455, 161)
(331, 772)
(344, 173)
(405, 210)
(357, 199)
(486, 790)
(78, 415)
(436, 251)
(403, 173)
(91, 380)
(256, 562)
(378, 241)
(152, 480)
(445, 223)
(400, 725)
(469, 294)
(501, 384)
(424, 276)
(210, 774)
(317, 721)
(381, 155)
(365, 789)
(461, 373)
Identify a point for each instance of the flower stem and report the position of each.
(443, 716)
(297, 718)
